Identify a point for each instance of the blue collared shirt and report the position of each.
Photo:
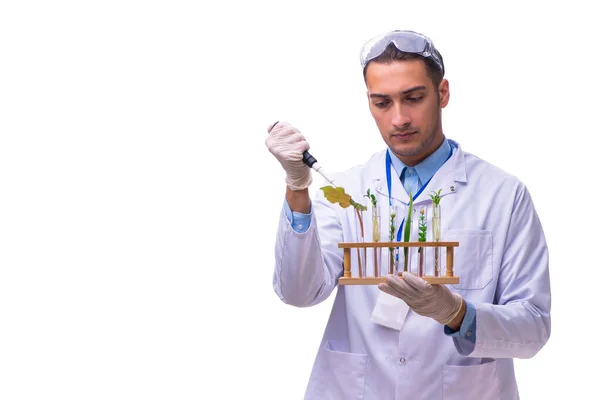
(412, 179)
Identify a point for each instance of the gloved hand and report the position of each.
(287, 145)
(434, 301)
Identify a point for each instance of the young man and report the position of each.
(407, 339)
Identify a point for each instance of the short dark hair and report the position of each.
(391, 53)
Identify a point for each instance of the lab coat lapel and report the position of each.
(448, 177)
(377, 173)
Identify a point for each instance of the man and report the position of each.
(407, 339)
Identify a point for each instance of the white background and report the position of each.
(139, 204)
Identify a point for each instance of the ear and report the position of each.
(444, 90)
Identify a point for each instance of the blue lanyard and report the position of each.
(388, 175)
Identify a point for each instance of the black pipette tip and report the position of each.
(308, 159)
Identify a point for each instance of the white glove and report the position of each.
(434, 301)
(287, 145)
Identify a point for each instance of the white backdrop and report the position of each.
(138, 202)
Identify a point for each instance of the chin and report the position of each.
(406, 151)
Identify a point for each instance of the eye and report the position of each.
(382, 104)
(415, 99)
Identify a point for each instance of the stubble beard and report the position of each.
(415, 149)
(422, 145)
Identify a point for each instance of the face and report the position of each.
(407, 108)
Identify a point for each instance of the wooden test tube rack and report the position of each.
(348, 279)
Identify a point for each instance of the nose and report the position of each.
(400, 117)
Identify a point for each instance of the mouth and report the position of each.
(403, 136)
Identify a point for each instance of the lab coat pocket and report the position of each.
(471, 382)
(472, 257)
(341, 375)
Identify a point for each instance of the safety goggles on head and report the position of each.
(406, 41)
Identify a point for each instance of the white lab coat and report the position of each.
(502, 262)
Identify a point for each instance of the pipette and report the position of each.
(309, 160)
(312, 163)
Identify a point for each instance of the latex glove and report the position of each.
(434, 301)
(287, 144)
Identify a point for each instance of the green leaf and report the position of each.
(358, 206)
(407, 228)
(408, 224)
(337, 195)
(435, 196)
(371, 197)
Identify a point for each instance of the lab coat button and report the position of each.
(402, 360)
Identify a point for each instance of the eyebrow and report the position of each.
(407, 91)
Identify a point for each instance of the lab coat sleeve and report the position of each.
(517, 325)
(308, 264)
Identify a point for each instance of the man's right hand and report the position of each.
(287, 144)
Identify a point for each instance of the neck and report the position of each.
(411, 161)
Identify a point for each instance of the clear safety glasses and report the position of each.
(407, 41)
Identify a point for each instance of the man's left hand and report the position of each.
(434, 301)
